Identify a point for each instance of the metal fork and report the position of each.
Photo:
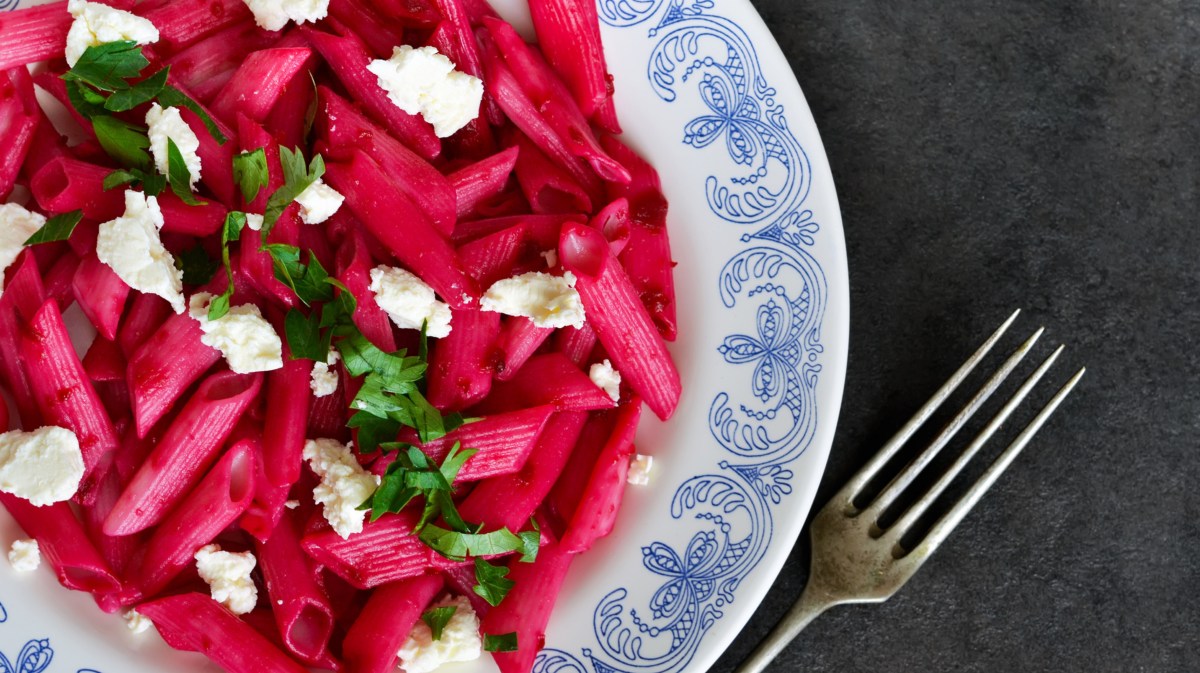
(854, 558)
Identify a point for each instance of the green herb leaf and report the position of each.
(455, 545)
(531, 543)
(437, 619)
(138, 94)
(172, 97)
(179, 175)
(231, 231)
(127, 143)
(505, 642)
(340, 311)
(492, 582)
(86, 100)
(107, 66)
(57, 228)
(296, 179)
(304, 337)
(119, 178)
(219, 306)
(198, 268)
(362, 357)
(152, 183)
(373, 431)
(393, 493)
(251, 172)
(235, 221)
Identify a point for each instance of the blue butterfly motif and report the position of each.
(34, 658)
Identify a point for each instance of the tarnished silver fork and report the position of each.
(854, 558)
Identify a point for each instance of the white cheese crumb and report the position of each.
(96, 24)
(607, 378)
(551, 257)
(460, 640)
(408, 301)
(325, 380)
(25, 556)
(291, 504)
(255, 222)
(319, 202)
(136, 622)
(550, 301)
(228, 576)
(344, 484)
(167, 124)
(247, 341)
(274, 14)
(16, 226)
(130, 246)
(422, 81)
(639, 470)
(44, 466)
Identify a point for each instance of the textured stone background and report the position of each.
(993, 154)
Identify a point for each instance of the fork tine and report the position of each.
(951, 519)
(901, 481)
(852, 488)
(914, 512)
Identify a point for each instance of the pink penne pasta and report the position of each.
(345, 128)
(519, 340)
(116, 551)
(146, 313)
(543, 229)
(327, 416)
(285, 427)
(495, 256)
(196, 623)
(104, 362)
(403, 228)
(181, 24)
(600, 499)
(259, 82)
(547, 379)
(289, 128)
(354, 264)
(547, 185)
(23, 295)
(19, 120)
(205, 66)
(45, 146)
(101, 294)
(526, 609)
(385, 551)
(165, 365)
(647, 253)
(363, 19)
(415, 13)
(510, 501)
(460, 372)
(66, 184)
(216, 158)
(482, 180)
(64, 544)
(187, 449)
(621, 321)
(59, 281)
(301, 609)
(348, 57)
(389, 616)
(568, 32)
(502, 441)
(181, 218)
(576, 344)
(216, 502)
(254, 262)
(460, 580)
(63, 392)
(33, 34)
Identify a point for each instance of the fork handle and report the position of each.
(811, 603)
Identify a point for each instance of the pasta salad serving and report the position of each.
(378, 297)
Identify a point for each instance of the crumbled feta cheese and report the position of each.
(325, 380)
(136, 622)
(44, 466)
(274, 14)
(247, 341)
(408, 301)
(319, 202)
(167, 124)
(96, 24)
(130, 246)
(255, 222)
(639, 470)
(460, 640)
(422, 81)
(551, 257)
(25, 556)
(291, 504)
(344, 484)
(550, 301)
(16, 226)
(228, 576)
(607, 378)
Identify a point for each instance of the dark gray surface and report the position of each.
(996, 154)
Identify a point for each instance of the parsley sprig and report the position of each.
(437, 619)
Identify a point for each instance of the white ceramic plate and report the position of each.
(705, 93)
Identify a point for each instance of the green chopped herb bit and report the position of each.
(251, 173)
(197, 266)
(107, 66)
(57, 228)
(126, 143)
(492, 582)
(437, 619)
(231, 232)
(180, 177)
(296, 178)
(505, 642)
(143, 92)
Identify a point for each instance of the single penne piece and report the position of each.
(547, 379)
(301, 609)
(181, 24)
(385, 623)
(166, 364)
(385, 551)
(23, 296)
(67, 184)
(101, 294)
(482, 180)
(259, 82)
(519, 340)
(190, 220)
(460, 372)
(495, 256)
(285, 426)
(146, 313)
(600, 499)
(568, 32)
(64, 544)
